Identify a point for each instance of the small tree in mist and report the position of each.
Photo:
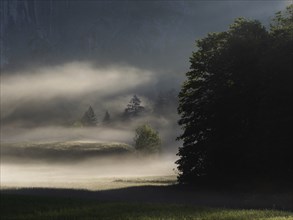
(147, 140)
(89, 118)
(107, 118)
(133, 107)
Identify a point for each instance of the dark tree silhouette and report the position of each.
(133, 108)
(236, 104)
(89, 118)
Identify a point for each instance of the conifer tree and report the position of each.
(89, 118)
(107, 117)
(133, 107)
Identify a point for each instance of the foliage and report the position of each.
(50, 207)
(147, 140)
(89, 118)
(283, 22)
(236, 104)
(133, 108)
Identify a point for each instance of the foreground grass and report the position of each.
(42, 207)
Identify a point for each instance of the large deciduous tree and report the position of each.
(236, 104)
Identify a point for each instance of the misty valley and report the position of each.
(158, 110)
(82, 165)
(82, 162)
(81, 149)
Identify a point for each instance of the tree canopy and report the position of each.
(134, 108)
(147, 140)
(236, 104)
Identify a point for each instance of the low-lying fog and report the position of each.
(102, 173)
(41, 105)
(34, 168)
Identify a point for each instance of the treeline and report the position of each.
(236, 104)
(164, 104)
(146, 140)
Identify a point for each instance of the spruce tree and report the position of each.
(133, 108)
(107, 118)
(89, 118)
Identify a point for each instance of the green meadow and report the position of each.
(45, 207)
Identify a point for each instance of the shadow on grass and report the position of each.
(172, 195)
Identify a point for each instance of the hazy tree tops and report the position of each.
(147, 140)
(89, 118)
(134, 108)
(236, 104)
(107, 118)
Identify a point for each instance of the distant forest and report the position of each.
(164, 104)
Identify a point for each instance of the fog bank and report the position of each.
(99, 174)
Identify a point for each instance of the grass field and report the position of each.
(106, 183)
(62, 150)
(45, 207)
(91, 180)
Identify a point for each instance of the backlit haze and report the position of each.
(60, 57)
